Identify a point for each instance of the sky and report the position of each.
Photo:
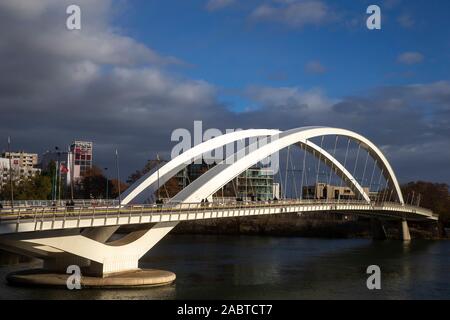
(138, 70)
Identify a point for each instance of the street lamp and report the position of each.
(70, 156)
(106, 176)
(58, 176)
(118, 178)
(10, 174)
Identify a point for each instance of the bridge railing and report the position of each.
(58, 203)
(112, 209)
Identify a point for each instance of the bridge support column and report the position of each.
(406, 236)
(378, 230)
(60, 264)
(102, 263)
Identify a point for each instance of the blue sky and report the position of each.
(230, 49)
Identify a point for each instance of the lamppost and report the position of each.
(106, 170)
(10, 173)
(159, 162)
(58, 176)
(118, 178)
(70, 157)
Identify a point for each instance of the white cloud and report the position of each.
(406, 21)
(291, 99)
(294, 13)
(315, 67)
(410, 58)
(214, 5)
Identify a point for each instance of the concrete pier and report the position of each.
(406, 236)
(131, 279)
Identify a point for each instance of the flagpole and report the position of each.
(157, 158)
(70, 157)
(106, 176)
(56, 181)
(10, 174)
(59, 183)
(57, 174)
(118, 178)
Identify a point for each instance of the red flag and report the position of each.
(63, 168)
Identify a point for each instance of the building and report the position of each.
(255, 184)
(83, 155)
(4, 171)
(21, 165)
(329, 192)
(74, 163)
(22, 159)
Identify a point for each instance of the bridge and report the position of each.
(80, 234)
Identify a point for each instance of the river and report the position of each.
(257, 267)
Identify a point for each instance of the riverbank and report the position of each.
(8, 258)
(309, 225)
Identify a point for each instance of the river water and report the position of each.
(257, 267)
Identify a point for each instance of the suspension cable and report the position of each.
(235, 186)
(379, 184)
(286, 173)
(281, 182)
(373, 173)
(346, 155)
(345, 162)
(293, 176)
(318, 168)
(385, 189)
(356, 162)
(364, 171)
(303, 169)
(334, 155)
(306, 179)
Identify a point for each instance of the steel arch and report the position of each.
(167, 171)
(215, 178)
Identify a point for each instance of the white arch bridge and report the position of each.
(63, 236)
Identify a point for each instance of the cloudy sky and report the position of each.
(137, 70)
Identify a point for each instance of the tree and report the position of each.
(169, 189)
(149, 166)
(92, 185)
(114, 187)
(38, 187)
(433, 196)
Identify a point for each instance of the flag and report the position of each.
(63, 168)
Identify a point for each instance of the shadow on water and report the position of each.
(292, 268)
(252, 267)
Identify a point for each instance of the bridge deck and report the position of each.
(38, 218)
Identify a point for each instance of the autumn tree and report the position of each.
(114, 188)
(149, 166)
(433, 196)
